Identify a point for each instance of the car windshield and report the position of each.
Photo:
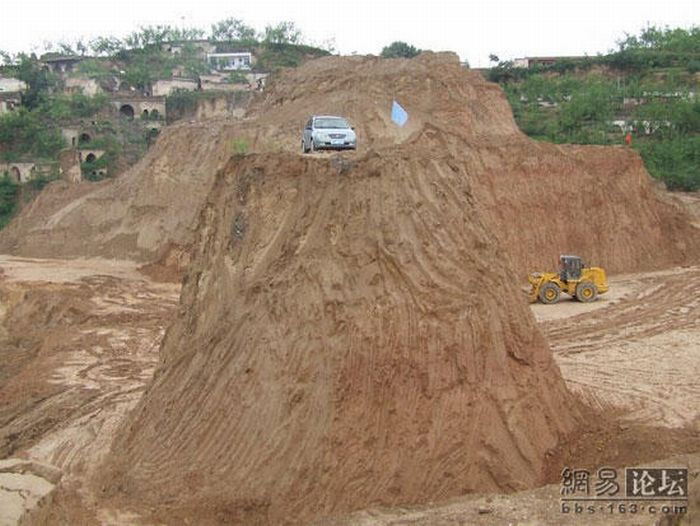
(331, 122)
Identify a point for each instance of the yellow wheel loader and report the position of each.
(574, 278)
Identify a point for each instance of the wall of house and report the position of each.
(163, 88)
(84, 85)
(223, 86)
(220, 82)
(70, 135)
(140, 105)
(203, 47)
(9, 103)
(231, 61)
(19, 172)
(11, 84)
(83, 154)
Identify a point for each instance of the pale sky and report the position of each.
(473, 29)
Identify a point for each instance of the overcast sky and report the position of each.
(473, 29)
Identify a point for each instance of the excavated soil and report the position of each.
(72, 424)
(332, 350)
(537, 199)
(350, 332)
(79, 341)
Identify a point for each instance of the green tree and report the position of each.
(591, 104)
(18, 130)
(138, 76)
(674, 161)
(5, 58)
(282, 33)
(106, 46)
(399, 49)
(154, 35)
(9, 191)
(232, 29)
(38, 79)
(48, 143)
(236, 77)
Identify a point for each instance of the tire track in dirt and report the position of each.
(640, 357)
(87, 345)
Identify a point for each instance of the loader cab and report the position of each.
(570, 268)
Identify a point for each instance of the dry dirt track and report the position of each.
(637, 351)
(634, 352)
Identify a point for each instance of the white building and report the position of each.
(12, 84)
(230, 61)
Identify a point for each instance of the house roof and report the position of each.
(230, 53)
(178, 79)
(557, 58)
(51, 57)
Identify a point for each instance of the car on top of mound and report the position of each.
(328, 132)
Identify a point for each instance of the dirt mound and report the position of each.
(351, 331)
(542, 200)
(154, 204)
(133, 217)
(346, 338)
(538, 199)
(434, 88)
(170, 267)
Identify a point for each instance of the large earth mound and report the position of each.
(348, 336)
(538, 199)
(351, 330)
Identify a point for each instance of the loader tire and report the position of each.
(586, 292)
(549, 293)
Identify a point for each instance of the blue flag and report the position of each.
(398, 114)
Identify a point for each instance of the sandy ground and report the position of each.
(82, 375)
(541, 507)
(636, 350)
(635, 353)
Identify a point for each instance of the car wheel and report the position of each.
(303, 147)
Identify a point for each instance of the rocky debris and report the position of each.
(24, 486)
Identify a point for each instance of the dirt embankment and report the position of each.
(137, 216)
(347, 334)
(345, 338)
(83, 338)
(78, 342)
(538, 199)
(542, 200)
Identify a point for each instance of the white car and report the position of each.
(327, 132)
